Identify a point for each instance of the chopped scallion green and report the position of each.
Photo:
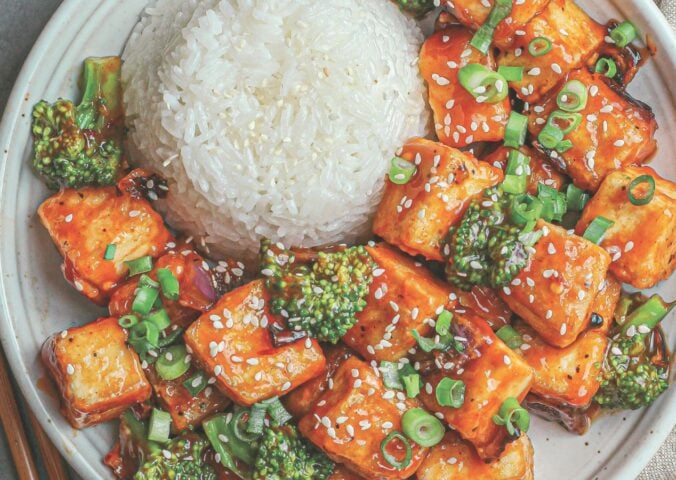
(159, 427)
(139, 265)
(597, 229)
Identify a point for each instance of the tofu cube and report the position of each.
(232, 342)
(574, 37)
(343, 473)
(82, 223)
(565, 376)
(615, 130)
(454, 459)
(416, 216)
(642, 241)
(404, 296)
(542, 170)
(555, 292)
(492, 374)
(459, 119)
(483, 302)
(356, 418)
(97, 373)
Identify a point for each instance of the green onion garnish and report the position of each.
(443, 324)
(563, 146)
(160, 318)
(195, 383)
(391, 459)
(411, 384)
(482, 83)
(647, 196)
(277, 411)
(145, 336)
(171, 363)
(573, 96)
(515, 184)
(513, 416)
(450, 393)
(168, 283)
(483, 37)
(564, 121)
(146, 281)
(239, 424)
(257, 418)
(159, 427)
(170, 337)
(218, 430)
(525, 208)
(423, 428)
(597, 229)
(139, 265)
(127, 321)
(516, 130)
(539, 46)
(511, 74)
(529, 236)
(576, 198)
(427, 344)
(517, 170)
(624, 34)
(144, 300)
(510, 336)
(607, 67)
(401, 171)
(109, 254)
(554, 205)
(390, 373)
(550, 136)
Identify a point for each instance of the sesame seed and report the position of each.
(134, 213)
(70, 369)
(549, 314)
(563, 329)
(507, 360)
(69, 218)
(286, 386)
(218, 369)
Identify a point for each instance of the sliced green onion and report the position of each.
(218, 430)
(483, 37)
(511, 74)
(160, 318)
(127, 321)
(564, 121)
(195, 383)
(427, 344)
(607, 67)
(539, 46)
(277, 412)
(525, 209)
(553, 203)
(482, 83)
(401, 171)
(411, 384)
(168, 283)
(563, 146)
(144, 334)
(597, 229)
(576, 198)
(510, 336)
(144, 300)
(450, 393)
(390, 373)
(513, 416)
(109, 254)
(517, 170)
(172, 364)
(257, 418)
(146, 281)
(550, 136)
(648, 196)
(139, 265)
(573, 96)
(239, 426)
(391, 459)
(530, 237)
(515, 184)
(159, 427)
(516, 130)
(649, 314)
(424, 429)
(170, 337)
(624, 34)
(443, 324)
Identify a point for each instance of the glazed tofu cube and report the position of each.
(565, 376)
(541, 171)
(82, 223)
(473, 14)
(96, 372)
(356, 416)
(186, 411)
(555, 292)
(483, 302)
(574, 37)
(492, 374)
(459, 118)
(404, 296)
(416, 216)
(454, 459)
(642, 241)
(615, 130)
(344, 473)
(232, 342)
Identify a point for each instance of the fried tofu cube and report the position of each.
(454, 459)
(642, 241)
(82, 223)
(97, 373)
(566, 376)
(186, 411)
(615, 130)
(574, 37)
(492, 374)
(343, 473)
(356, 418)
(555, 292)
(232, 342)
(459, 118)
(483, 302)
(416, 216)
(404, 296)
(541, 171)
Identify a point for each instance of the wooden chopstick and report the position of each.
(50, 455)
(14, 430)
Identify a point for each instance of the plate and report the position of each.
(35, 301)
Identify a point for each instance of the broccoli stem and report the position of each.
(101, 89)
(650, 314)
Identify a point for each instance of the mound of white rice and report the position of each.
(272, 118)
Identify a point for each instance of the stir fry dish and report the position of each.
(491, 289)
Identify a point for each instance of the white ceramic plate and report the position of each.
(35, 301)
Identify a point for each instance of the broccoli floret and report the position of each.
(81, 145)
(485, 248)
(321, 299)
(284, 455)
(183, 458)
(416, 7)
(633, 374)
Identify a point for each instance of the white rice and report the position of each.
(272, 118)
